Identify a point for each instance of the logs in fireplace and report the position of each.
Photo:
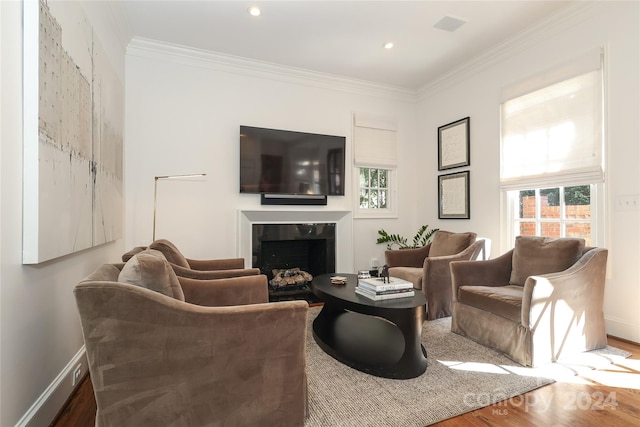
(289, 277)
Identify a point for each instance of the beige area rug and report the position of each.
(461, 376)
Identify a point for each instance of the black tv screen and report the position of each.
(286, 162)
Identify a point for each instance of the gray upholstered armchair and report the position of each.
(428, 267)
(164, 350)
(195, 268)
(536, 303)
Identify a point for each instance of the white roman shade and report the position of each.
(554, 135)
(374, 141)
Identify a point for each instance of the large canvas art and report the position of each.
(73, 108)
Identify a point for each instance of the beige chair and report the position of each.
(165, 350)
(194, 268)
(536, 303)
(428, 267)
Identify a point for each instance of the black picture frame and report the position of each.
(453, 196)
(453, 144)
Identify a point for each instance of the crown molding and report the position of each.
(156, 50)
(545, 29)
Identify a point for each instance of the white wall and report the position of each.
(475, 91)
(39, 324)
(184, 109)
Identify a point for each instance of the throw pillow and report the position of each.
(152, 272)
(447, 243)
(171, 253)
(533, 256)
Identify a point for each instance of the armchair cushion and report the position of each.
(542, 255)
(448, 243)
(227, 291)
(171, 253)
(151, 271)
(505, 301)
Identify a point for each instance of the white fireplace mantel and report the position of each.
(342, 219)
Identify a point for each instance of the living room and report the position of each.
(183, 108)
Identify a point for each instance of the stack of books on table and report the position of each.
(375, 289)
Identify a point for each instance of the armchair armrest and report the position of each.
(406, 257)
(580, 287)
(175, 362)
(492, 272)
(436, 281)
(216, 264)
(223, 292)
(213, 274)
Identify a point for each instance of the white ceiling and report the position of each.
(343, 38)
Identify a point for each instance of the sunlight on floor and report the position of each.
(474, 367)
(611, 371)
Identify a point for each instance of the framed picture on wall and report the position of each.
(453, 196)
(453, 144)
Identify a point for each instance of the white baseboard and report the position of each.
(619, 328)
(47, 406)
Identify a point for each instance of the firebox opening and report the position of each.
(309, 247)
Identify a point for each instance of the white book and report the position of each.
(375, 284)
(378, 297)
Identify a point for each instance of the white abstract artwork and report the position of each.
(453, 144)
(73, 107)
(453, 195)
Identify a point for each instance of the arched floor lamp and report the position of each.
(155, 193)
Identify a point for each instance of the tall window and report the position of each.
(375, 160)
(552, 154)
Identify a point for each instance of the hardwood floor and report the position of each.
(80, 410)
(604, 397)
(587, 401)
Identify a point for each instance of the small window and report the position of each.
(375, 194)
(375, 161)
(374, 188)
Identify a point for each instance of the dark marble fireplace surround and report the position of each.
(317, 240)
(308, 246)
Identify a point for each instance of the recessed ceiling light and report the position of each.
(388, 45)
(255, 11)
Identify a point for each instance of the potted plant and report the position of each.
(422, 237)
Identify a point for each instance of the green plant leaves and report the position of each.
(421, 238)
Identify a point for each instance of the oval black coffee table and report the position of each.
(380, 338)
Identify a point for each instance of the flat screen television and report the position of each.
(283, 162)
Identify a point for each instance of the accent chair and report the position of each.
(536, 303)
(195, 268)
(165, 350)
(428, 267)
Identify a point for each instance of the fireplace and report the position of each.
(310, 247)
(316, 241)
